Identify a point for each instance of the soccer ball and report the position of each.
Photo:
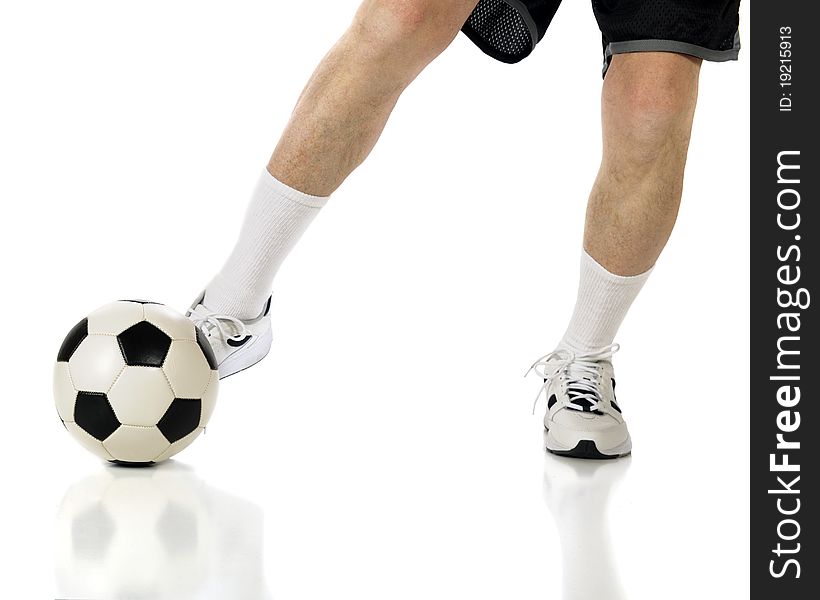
(135, 382)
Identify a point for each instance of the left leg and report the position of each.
(647, 106)
(648, 103)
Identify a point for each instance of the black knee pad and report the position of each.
(508, 30)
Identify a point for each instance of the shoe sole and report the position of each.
(246, 358)
(587, 449)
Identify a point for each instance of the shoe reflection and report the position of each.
(157, 533)
(577, 494)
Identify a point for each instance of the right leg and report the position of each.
(349, 98)
(337, 121)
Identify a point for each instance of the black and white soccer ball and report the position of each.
(135, 382)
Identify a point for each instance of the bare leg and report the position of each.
(349, 98)
(648, 105)
(647, 108)
(337, 121)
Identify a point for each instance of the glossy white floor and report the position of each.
(385, 448)
(356, 485)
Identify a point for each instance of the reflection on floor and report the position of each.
(577, 494)
(163, 533)
(157, 533)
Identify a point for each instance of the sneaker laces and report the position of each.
(580, 369)
(209, 321)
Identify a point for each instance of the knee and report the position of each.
(423, 28)
(652, 104)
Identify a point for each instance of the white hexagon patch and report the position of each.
(171, 322)
(136, 444)
(209, 399)
(96, 363)
(114, 318)
(187, 369)
(140, 396)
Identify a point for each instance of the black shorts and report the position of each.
(509, 30)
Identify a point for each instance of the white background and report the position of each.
(385, 448)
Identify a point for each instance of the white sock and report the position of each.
(276, 218)
(603, 301)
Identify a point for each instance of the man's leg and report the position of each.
(349, 98)
(337, 121)
(648, 103)
(647, 108)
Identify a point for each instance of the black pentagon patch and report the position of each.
(91, 532)
(144, 345)
(94, 414)
(206, 349)
(181, 418)
(135, 465)
(72, 341)
(140, 301)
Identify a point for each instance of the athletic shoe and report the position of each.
(583, 419)
(237, 343)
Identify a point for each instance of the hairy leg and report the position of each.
(350, 96)
(648, 103)
(335, 125)
(647, 108)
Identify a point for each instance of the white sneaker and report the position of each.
(583, 419)
(237, 343)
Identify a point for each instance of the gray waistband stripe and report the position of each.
(671, 46)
